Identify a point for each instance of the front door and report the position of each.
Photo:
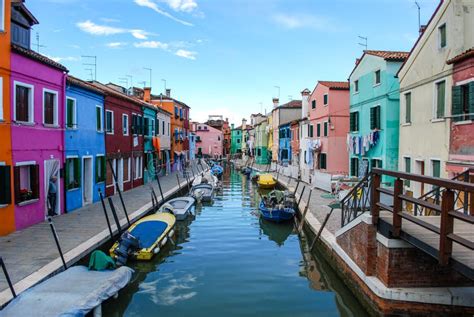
(87, 181)
(120, 173)
(52, 188)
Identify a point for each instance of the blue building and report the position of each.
(284, 143)
(85, 166)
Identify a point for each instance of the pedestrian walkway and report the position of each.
(31, 255)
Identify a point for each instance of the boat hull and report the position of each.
(276, 215)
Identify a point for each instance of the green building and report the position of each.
(235, 139)
(262, 155)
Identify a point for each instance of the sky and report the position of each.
(222, 57)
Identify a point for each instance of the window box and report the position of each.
(26, 182)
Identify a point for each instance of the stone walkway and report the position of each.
(31, 255)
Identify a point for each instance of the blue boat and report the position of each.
(277, 206)
(276, 214)
(217, 170)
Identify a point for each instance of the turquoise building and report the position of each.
(262, 156)
(149, 122)
(374, 112)
(235, 140)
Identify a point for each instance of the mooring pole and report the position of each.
(114, 213)
(7, 277)
(105, 213)
(301, 196)
(119, 192)
(321, 229)
(296, 189)
(179, 184)
(55, 235)
(303, 216)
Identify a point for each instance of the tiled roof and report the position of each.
(464, 55)
(340, 85)
(389, 55)
(38, 57)
(83, 84)
(291, 104)
(164, 97)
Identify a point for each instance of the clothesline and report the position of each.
(362, 144)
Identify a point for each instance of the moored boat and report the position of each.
(277, 206)
(180, 207)
(204, 191)
(266, 181)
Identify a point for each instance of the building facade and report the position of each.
(295, 142)
(211, 141)
(262, 155)
(306, 142)
(235, 139)
(374, 112)
(284, 144)
(150, 147)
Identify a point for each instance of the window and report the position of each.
(376, 163)
(109, 122)
(408, 107)
(175, 111)
(313, 104)
(181, 113)
(354, 121)
(325, 99)
(152, 125)
(284, 154)
(354, 166)
(375, 117)
(98, 118)
(325, 128)
(218, 138)
(100, 169)
(318, 130)
(311, 131)
(50, 107)
(125, 124)
(442, 35)
(73, 173)
(407, 161)
(436, 168)
(26, 182)
(24, 103)
(1, 85)
(138, 167)
(377, 77)
(259, 152)
(238, 140)
(356, 86)
(157, 127)
(322, 161)
(126, 169)
(440, 99)
(163, 128)
(2, 15)
(71, 113)
(5, 187)
(463, 102)
(146, 126)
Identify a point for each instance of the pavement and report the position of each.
(31, 255)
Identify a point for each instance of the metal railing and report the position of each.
(357, 201)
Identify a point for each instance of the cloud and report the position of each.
(298, 21)
(63, 59)
(186, 54)
(182, 5)
(152, 5)
(105, 30)
(152, 44)
(74, 46)
(109, 20)
(116, 44)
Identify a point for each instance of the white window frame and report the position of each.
(112, 122)
(435, 99)
(375, 77)
(125, 132)
(55, 109)
(152, 127)
(405, 164)
(2, 16)
(129, 161)
(101, 119)
(31, 102)
(74, 116)
(1, 90)
(356, 86)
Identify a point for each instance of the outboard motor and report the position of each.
(127, 245)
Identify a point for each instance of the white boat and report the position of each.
(204, 191)
(180, 207)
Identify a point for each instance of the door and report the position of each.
(52, 188)
(120, 173)
(87, 180)
(419, 188)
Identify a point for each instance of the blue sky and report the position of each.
(223, 56)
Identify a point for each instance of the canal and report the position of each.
(228, 262)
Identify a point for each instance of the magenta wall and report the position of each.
(210, 138)
(37, 142)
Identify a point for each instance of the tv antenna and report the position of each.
(151, 71)
(94, 63)
(364, 39)
(278, 87)
(419, 19)
(38, 45)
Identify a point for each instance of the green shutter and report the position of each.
(457, 103)
(471, 100)
(318, 130)
(77, 172)
(440, 102)
(372, 118)
(97, 118)
(69, 113)
(356, 121)
(408, 108)
(68, 161)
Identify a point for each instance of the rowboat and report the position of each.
(144, 238)
(180, 207)
(266, 181)
(277, 206)
(204, 191)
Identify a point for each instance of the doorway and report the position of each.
(87, 180)
(419, 188)
(52, 187)
(120, 173)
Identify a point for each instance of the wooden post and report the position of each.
(446, 227)
(179, 184)
(375, 198)
(301, 196)
(303, 216)
(397, 208)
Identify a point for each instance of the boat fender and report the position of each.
(163, 242)
(156, 250)
(171, 233)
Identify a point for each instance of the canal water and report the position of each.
(228, 262)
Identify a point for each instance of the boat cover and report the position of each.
(147, 232)
(74, 292)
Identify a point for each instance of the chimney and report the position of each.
(305, 103)
(244, 124)
(168, 93)
(276, 101)
(147, 94)
(357, 61)
(422, 28)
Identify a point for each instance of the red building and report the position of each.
(295, 141)
(123, 127)
(227, 137)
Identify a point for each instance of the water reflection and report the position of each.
(277, 232)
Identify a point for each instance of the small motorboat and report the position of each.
(205, 191)
(266, 181)
(246, 170)
(180, 207)
(144, 238)
(277, 206)
(217, 170)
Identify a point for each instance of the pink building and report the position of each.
(37, 110)
(329, 125)
(209, 141)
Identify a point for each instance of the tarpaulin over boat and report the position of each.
(74, 292)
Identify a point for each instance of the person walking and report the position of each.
(52, 192)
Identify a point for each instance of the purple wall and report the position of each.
(36, 142)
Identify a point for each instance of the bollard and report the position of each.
(55, 235)
(119, 191)
(105, 213)
(7, 277)
(114, 213)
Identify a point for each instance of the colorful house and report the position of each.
(461, 143)
(329, 125)
(282, 115)
(295, 142)
(85, 165)
(227, 137)
(269, 133)
(37, 112)
(149, 147)
(426, 88)
(7, 210)
(235, 139)
(262, 155)
(192, 146)
(374, 112)
(284, 144)
(211, 141)
(306, 141)
(163, 131)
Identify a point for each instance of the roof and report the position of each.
(38, 57)
(389, 55)
(83, 84)
(164, 97)
(461, 57)
(336, 85)
(27, 13)
(291, 104)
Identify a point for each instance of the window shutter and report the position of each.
(377, 116)
(96, 171)
(372, 118)
(440, 101)
(97, 114)
(471, 100)
(66, 181)
(351, 121)
(356, 124)
(16, 183)
(457, 103)
(5, 185)
(34, 174)
(77, 172)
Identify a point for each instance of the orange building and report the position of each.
(7, 214)
(179, 125)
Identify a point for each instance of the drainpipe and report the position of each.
(63, 146)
